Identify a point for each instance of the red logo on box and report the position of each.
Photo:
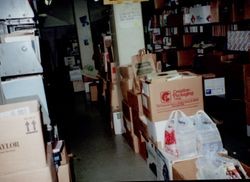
(165, 96)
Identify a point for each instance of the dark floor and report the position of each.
(98, 154)
(101, 156)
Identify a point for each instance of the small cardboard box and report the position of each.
(117, 123)
(21, 142)
(161, 163)
(63, 173)
(114, 99)
(93, 91)
(169, 91)
(78, 85)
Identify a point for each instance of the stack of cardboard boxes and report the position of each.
(145, 115)
(24, 155)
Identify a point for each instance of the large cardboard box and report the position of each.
(170, 91)
(43, 174)
(22, 144)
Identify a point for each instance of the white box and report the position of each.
(156, 132)
(117, 121)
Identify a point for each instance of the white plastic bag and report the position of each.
(180, 136)
(208, 137)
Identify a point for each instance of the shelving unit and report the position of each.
(209, 36)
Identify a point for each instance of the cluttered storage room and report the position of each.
(124, 90)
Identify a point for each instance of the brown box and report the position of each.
(185, 170)
(114, 99)
(126, 72)
(127, 111)
(135, 101)
(21, 142)
(43, 174)
(93, 92)
(246, 10)
(172, 91)
(63, 173)
(214, 7)
(47, 173)
(129, 135)
(159, 4)
(78, 85)
(142, 147)
(126, 85)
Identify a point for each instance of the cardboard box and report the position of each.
(156, 132)
(161, 164)
(143, 126)
(43, 174)
(136, 122)
(114, 99)
(185, 170)
(126, 85)
(170, 91)
(130, 136)
(142, 147)
(135, 101)
(127, 111)
(63, 173)
(22, 144)
(93, 92)
(78, 85)
(126, 72)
